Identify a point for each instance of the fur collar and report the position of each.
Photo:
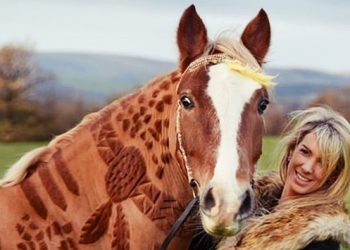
(292, 228)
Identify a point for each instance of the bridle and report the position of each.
(210, 59)
(235, 65)
(214, 59)
(192, 182)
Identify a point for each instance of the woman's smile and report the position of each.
(301, 180)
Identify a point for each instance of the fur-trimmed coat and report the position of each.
(288, 229)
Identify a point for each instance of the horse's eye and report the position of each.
(187, 102)
(262, 105)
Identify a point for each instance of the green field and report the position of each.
(11, 152)
(266, 160)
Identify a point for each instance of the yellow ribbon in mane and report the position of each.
(264, 80)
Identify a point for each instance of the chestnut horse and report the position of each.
(120, 178)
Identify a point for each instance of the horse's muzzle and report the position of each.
(222, 215)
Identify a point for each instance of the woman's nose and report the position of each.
(308, 166)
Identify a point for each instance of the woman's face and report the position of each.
(305, 173)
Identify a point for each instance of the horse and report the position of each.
(120, 178)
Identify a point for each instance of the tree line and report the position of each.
(336, 98)
(29, 108)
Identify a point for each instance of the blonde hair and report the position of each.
(333, 139)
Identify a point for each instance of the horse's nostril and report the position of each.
(209, 201)
(246, 204)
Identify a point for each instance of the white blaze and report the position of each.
(229, 92)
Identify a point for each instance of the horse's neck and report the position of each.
(125, 152)
(145, 125)
(135, 142)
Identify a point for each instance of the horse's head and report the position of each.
(222, 95)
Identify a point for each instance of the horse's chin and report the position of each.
(218, 229)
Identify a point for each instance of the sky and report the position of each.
(312, 34)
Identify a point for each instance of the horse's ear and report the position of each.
(256, 36)
(191, 37)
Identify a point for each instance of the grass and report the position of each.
(266, 160)
(11, 152)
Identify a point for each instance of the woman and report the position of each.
(304, 207)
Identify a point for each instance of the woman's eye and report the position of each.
(186, 102)
(304, 151)
(262, 105)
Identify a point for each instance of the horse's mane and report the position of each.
(227, 42)
(17, 172)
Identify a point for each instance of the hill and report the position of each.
(299, 86)
(95, 78)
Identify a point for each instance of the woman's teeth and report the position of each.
(302, 178)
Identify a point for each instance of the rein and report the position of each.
(179, 222)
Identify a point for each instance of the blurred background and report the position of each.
(62, 59)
